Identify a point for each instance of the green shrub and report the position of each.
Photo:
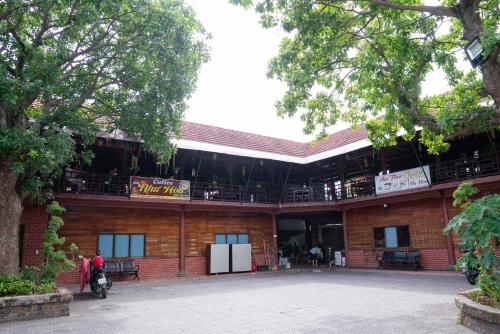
(478, 224)
(15, 285)
(54, 260)
(26, 283)
(30, 273)
(46, 287)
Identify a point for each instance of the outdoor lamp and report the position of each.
(474, 52)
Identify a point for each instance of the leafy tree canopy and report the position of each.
(68, 66)
(358, 60)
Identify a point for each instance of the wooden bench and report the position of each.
(399, 259)
(121, 267)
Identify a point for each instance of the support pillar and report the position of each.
(182, 244)
(449, 241)
(275, 235)
(346, 241)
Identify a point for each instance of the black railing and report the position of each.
(442, 172)
(90, 183)
(325, 192)
(233, 193)
(465, 168)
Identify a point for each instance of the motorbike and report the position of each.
(470, 273)
(99, 283)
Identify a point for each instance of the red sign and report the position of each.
(159, 188)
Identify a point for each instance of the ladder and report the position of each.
(269, 256)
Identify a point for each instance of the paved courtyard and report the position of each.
(342, 301)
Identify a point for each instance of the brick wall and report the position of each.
(433, 259)
(34, 218)
(196, 265)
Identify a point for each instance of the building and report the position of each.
(340, 193)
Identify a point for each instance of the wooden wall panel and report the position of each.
(201, 228)
(424, 217)
(161, 228)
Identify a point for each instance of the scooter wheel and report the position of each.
(103, 293)
(471, 278)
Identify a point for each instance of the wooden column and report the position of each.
(449, 241)
(346, 241)
(275, 235)
(182, 243)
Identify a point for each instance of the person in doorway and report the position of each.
(315, 254)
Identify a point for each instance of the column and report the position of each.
(346, 241)
(449, 241)
(182, 243)
(275, 235)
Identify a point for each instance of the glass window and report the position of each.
(243, 238)
(137, 245)
(105, 243)
(121, 245)
(391, 237)
(232, 238)
(220, 238)
(403, 236)
(379, 237)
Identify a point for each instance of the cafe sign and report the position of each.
(403, 180)
(159, 188)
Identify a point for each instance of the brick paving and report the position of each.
(340, 301)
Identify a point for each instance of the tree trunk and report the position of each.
(10, 213)
(490, 68)
(491, 77)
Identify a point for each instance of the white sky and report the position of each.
(233, 90)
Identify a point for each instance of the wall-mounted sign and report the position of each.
(406, 179)
(159, 188)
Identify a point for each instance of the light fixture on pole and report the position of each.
(474, 52)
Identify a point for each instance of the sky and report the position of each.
(233, 90)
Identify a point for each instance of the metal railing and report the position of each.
(90, 183)
(325, 192)
(233, 193)
(467, 167)
(442, 172)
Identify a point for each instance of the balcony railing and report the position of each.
(465, 168)
(446, 171)
(233, 193)
(324, 192)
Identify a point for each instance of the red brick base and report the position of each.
(434, 259)
(34, 219)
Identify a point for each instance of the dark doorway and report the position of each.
(298, 233)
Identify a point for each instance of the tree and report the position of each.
(478, 226)
(356, 60)
(54, 260)
(69, 66)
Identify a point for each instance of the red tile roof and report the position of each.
(244, 140)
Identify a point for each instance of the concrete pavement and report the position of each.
(341, 301)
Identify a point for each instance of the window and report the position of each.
(231, 238)
(121, 245)
(391, 237)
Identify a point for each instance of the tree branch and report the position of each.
(434, 10)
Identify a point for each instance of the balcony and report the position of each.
(442, 172)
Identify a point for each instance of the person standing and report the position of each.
(315, 253)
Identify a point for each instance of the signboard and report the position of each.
(406, 179)
(159, 188)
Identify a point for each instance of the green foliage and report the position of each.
(54, 261)
(357, 60)
(29, 281)
(478, 224)
(14, 285)
(70, 68)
